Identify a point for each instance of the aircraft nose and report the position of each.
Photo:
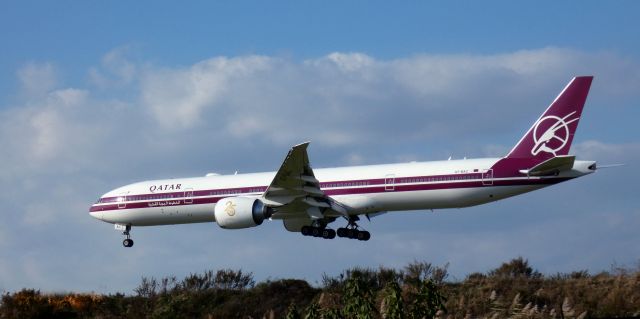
(95, 214)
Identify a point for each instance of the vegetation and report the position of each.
(419, 290)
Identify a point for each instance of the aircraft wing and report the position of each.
(295, 192)
(551, 166)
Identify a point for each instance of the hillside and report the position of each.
(419, 290)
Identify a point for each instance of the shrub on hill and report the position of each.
(419, 290)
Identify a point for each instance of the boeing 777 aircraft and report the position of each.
(308, 200)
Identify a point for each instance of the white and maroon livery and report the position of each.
(308, 200)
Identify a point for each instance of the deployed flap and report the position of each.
(295, 189)
(552, 166)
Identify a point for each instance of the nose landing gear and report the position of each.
(128, 242)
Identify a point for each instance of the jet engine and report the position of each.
(241, 212)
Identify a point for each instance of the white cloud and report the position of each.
(37, 79)
(45, 129)
(347, 98)
(177, 98)
(46, 140)
(346, 62)
(622, 153)
(115, 70)
(118, 64)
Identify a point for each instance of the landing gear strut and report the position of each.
(352, 232)
(128, 242)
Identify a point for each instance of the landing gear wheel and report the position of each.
(328, 233)
(127, 242)
(352, 230)
(363, 235)
(318, 231)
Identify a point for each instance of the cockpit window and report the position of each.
(110, 200)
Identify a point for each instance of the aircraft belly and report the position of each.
(447, 198)
(152, 216)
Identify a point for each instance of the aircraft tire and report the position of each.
(306, 230)
(127, 242)
(329, 234)
(342, 232)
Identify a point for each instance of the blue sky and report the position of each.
(97, 95)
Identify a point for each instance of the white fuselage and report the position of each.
(360, 189)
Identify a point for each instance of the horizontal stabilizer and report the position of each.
(552, 166)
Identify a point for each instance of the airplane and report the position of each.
(308, 200)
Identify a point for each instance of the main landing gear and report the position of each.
(318, 229)
(325, 233)
(352, 232)
(128, 242)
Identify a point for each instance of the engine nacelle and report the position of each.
(241, 212)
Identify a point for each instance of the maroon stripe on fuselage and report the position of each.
(206, 197)
(323, 185)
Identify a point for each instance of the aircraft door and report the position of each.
(188, 196)
(390, 182)
(487, 177)
(122, 200)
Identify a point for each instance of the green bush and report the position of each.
(419, 290)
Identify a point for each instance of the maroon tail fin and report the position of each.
(551, 135)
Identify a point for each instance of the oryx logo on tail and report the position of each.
(551, 133)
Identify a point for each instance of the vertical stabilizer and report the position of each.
(551, 135)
